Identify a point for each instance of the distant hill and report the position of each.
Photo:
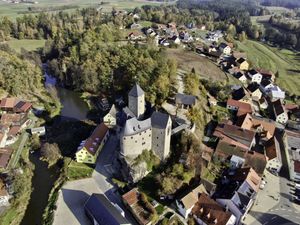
(291, 4)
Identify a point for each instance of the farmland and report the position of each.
(14, 10)
(283, 61)
(188, 60)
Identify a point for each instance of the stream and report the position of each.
(43, 179)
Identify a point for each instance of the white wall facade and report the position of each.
(133, 145)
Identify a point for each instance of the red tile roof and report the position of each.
(131, 197)
(210, 212)
(243, 108)
(5, 154)
(22, 106)
(8, 102)
(93, 142)
(14, 130)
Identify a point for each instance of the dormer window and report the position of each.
(216, 221)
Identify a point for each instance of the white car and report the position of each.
(297, 186)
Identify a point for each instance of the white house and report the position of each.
(186, 203)
(110, 119)
(254, 76)
(241, 77)
(281, 116)
(276, 93)
(225, 49)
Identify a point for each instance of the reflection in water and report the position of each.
(43, 179)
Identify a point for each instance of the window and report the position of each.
(143, 143)
(131, 137)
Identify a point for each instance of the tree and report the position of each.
(191, 82)
(50, 153)
(242, 36)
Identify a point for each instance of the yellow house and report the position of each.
(89, 149)
(242, 64)
(110, 119)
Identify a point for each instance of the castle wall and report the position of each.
(134, 145)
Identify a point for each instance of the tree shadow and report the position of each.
(75, 200)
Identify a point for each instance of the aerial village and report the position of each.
(254, 143)
(260, 136)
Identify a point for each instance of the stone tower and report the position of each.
(161, 134)
(136, 101)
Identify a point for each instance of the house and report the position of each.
(238, 191)
(110, 119)
(262, 126)
(280, 113)
(185, 37)
(132, 201)
(266, 85)
(210, 187)
(291, 140)
(267, 75)
(3, 135)
(224, 48)
(8, 104)
(102, 212)
(174, 39)
(5, 154)
(208, 211)
(187, 202)
(254, 76)
(242, 64)
(214, 36)
(240, 157)
(14, 119)
(276, 93)
(135, 36)
(89, 149)
(212, 100)
(254, 91)
(241, 107)
(40, 131)
(4, 196)
(235, 135)
(241, 77)
(273, 153)
(22, 107)
(185, 101)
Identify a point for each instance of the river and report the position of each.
(43, 179)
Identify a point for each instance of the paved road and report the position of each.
(284, 211)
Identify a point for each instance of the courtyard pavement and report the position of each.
(73, 195)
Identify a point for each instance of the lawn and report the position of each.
(29, 45)
(283, 61)
(79, 170)
(14, 10)
(188, 60)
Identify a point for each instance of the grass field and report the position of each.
(188, 60)
(29, 45)
(13, 10)
(283, 61)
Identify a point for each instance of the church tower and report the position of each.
(136, 101)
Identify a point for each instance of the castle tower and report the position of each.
(161, 134)
(136, 101)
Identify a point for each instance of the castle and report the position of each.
(153, 133)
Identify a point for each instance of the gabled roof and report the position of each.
(265, 82)
(210, 212)
(185, 99)
(113, 111)
(159, 120)
(22, 106)
(252, 72)
(253, 87)
(102, 210)
(278, 107)
(93, 142)
(191, 198)
(241, 60)
(136, 91)
(8, 102)
(243, 107)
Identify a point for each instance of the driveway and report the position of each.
(73, 195)
(71, 200)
